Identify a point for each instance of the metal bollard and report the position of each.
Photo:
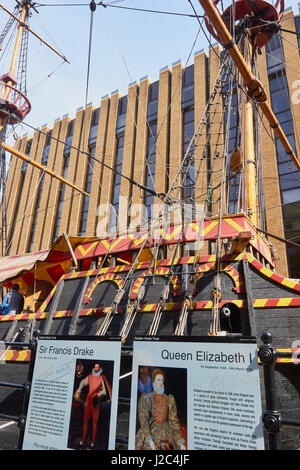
(271, 417)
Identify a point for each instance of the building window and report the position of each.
(188, 174)
(297, 24)
(95, 117)
(35, 215)
(116, 186)
(289, 179)
(69, 137)
(188, 86)
(121, 119)
(13, 225)
(94, 126)
(274, 54)
(60, 199)
(152, 101)
(288, 176)
(150, 169)
(87, 188)
(39, 193)
(27, 152)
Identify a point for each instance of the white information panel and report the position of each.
(199, 394)
(74, 394)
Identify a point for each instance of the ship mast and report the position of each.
(256, 14)
(24, 12)
(244, 22)
(14, 104)
(249, 189)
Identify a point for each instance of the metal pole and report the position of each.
(40, 167)
(27, 386)
(271, 417)
(255, 88)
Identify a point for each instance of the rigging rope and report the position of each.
(92, 8)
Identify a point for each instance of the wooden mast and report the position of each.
(9, 78)
(41, 167)
(254, 87)
(249, 147)
(25, 8)
(10, 82)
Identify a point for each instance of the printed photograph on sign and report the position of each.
(161, 418)
(195, 395)
(91, 405)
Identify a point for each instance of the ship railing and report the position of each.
(14, 101)
(25, 387)
(272, 419)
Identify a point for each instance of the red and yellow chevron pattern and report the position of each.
(228, 269)
(159, 271)
(113, 277)
(16, 356)
(231, 227)
(24, 356)
(285, 282)
(205, 264)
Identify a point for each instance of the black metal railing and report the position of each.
(25, 387)
(272, 420)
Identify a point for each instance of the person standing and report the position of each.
(16, 303)
(5, 303)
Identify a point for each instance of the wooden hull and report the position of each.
(275, 308)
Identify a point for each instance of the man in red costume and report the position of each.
(97, 389)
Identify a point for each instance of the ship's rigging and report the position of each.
(155, 287)
(236, 164)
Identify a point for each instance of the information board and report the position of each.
(203, 393)
(74, 394)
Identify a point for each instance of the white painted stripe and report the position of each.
(125, 375)
(7, 424)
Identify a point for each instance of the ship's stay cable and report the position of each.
(86, 154)
(147, 163)
(8, 26)
(141, 186)
(92, 8)
(121, 291)
(165, 291)
(296, 131)
(150, 131)
(41, 82)
(114, 5)
(31, 200)
(241, 87)
(105, 324)
(144, 10)
(165, 116)
(137, 131)
(216, 293)
(131, 314)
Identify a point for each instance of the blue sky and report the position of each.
(126, 46)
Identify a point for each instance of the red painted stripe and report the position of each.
(272, 302)
(276, 277)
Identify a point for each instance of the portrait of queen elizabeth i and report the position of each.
(158, 420)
